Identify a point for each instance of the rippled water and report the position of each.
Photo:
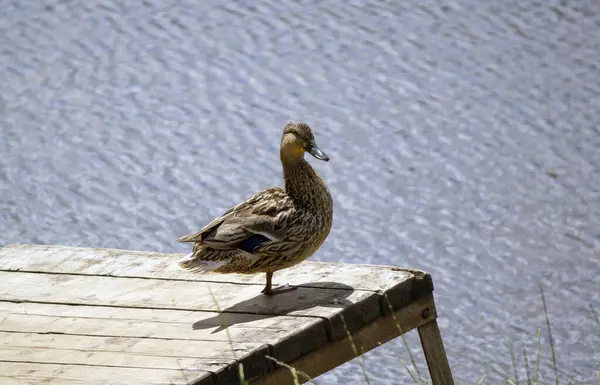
(463, 135)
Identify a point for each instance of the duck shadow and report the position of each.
(308, 295)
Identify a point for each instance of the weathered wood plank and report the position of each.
(54, 349)
(121, 263)
(201, 351)
(23, 373)
(99, 358)
(144, 323)
(367, 338)
(433, 347)
(357, 307)
(289, 336)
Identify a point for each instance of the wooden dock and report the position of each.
(103, 316)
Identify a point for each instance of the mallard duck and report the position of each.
(273, 229)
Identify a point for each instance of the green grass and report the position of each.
(413, 371)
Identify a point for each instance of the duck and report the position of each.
(274, 229)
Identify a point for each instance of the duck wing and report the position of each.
(246, 226)
(202, 234)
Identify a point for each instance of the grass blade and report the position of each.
(527, 372)
(241, 376)
(550, 336)
(595, 315)
(355, 350)
(480, 382)
(399, 327)
(295, 372)
(410, 353)
(412, 375)
(537, 358)
(514, 361)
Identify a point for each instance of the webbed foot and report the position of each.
(278, 289)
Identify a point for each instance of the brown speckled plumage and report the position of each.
(291, 224)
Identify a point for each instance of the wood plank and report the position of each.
(157, 323)
(203, 351)
(433, 346)
(27, 374)
(122, 263)
(371, 336)
(143, 323)
(292, 336)
(213, 356)
(98, 351)
(357, 307)
(99, 358)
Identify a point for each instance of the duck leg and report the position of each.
(268, 287)
(270, 290)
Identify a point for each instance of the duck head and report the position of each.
(297, 139)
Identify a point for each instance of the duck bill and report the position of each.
(317, 152)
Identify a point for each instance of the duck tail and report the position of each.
(196, 265)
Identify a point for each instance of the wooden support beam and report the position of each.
(435, 354)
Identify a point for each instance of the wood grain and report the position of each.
(143, 264)
(26, 373)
